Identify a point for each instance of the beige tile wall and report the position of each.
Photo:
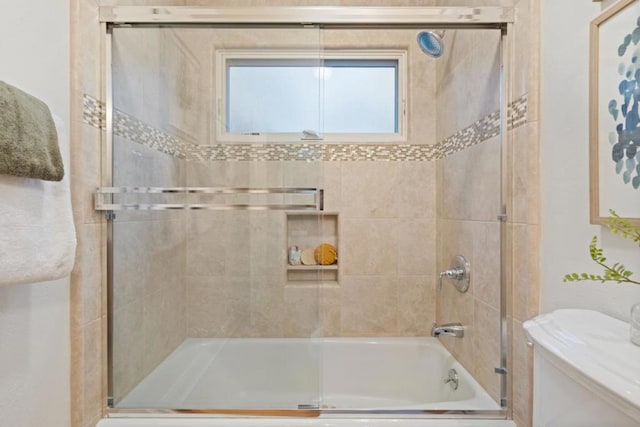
(466, 76)
(468, 203)
(525, 198)
(88, 298)
(387, 252)
(387, 210)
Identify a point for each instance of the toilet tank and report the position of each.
(586, 371)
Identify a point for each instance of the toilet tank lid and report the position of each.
(595, 345)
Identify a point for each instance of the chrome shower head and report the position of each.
(431, 43)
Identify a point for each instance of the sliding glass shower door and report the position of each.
(282, 200)
(202, 285)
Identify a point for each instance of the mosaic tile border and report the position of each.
(140, 132)
(485, 128)
(316, 152)
(93, 112)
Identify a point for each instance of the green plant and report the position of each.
(616, 272)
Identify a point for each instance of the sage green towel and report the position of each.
(28, 138)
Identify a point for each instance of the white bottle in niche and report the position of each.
(295, 255)
(635, 324)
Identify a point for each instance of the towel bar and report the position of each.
(105, 198)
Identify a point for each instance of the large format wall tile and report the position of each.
(88, 268)
(486, 347)
(416, 305)
(302, 312)
(468, 80)
(526, 274)
(416, 246)
(85, 173)
(267, 308)
(266, 244)
(219, 243)
(128, 348)
(525, 186)
(485, 265)
(369, 305)
(92, 391)
(217, 306)
(522, 375)
(369, 190)
(471, 183)
(369, 247)
(416, 189)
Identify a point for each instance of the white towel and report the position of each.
(37, 235)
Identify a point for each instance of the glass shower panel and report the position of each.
(470, 197)
(406, 212)
(230, 299)
(206, 311)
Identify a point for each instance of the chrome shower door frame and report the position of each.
(497, 18)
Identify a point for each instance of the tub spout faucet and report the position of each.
(448, 329)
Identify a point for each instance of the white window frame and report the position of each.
(222, 57)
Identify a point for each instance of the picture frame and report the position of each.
(614, 112)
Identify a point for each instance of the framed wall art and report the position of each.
(614, 112)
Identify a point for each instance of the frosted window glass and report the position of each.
(344, 96)
(360, 100)
(272, 99)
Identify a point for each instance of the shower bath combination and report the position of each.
(209, 181)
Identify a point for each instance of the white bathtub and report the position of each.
(335, 374)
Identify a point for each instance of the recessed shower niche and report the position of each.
(306, 232)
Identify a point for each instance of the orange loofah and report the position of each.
(325, 254)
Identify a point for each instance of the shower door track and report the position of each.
(312, 15)
(501, 18)
(479, 414)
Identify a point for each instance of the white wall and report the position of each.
(566, 232)
(34, 319)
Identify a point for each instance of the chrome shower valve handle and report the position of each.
(459, 272)
(454, 273)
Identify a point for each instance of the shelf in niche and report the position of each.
(307, 230)
(306, 285)
(312, 267)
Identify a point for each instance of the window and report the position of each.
(296, 95)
